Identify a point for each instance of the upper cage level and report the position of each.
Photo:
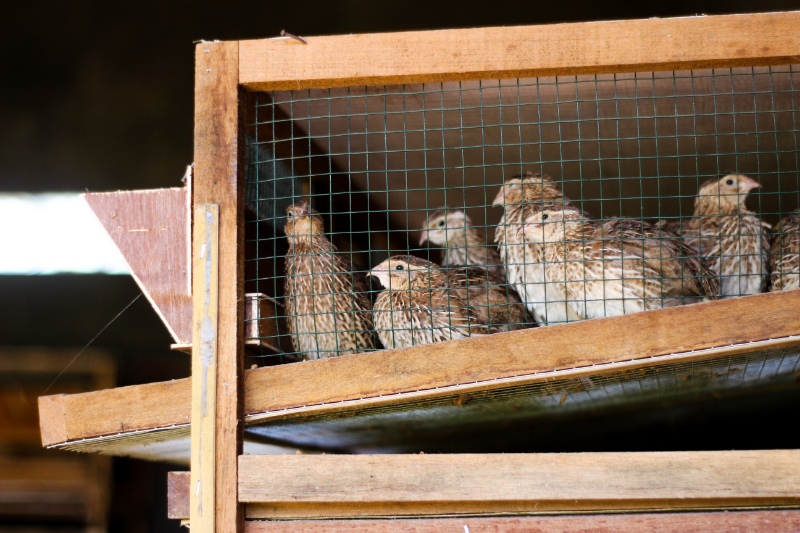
(377, 162)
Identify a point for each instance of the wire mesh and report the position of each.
(407, 185)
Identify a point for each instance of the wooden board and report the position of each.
(590, 349)
(420, 484)
(509, 52)
(699, 522)
(219, 179)
(151, 228)
(205, 276)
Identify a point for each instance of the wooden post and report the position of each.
(204, 366)
(218, 167)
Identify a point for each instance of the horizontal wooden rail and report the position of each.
(591, 347)
(296, 486)
(520, 51)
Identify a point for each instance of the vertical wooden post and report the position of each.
(204, 366)
(219, 179)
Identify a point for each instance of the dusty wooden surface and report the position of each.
(518, 51)
(586, 348)
(397, 485)
(388, 485)
(218, 168)
(205, 275)
(151, 229)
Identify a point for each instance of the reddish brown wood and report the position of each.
(178, 495)
(151, 229)
(777, 521)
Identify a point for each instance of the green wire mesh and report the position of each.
(376, 162)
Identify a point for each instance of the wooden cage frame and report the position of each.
(226, 486)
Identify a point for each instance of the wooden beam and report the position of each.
(219, 179)
(705, 522)
(588, 348)
(205, 276)
(404, 485)
(520, 51)
(147, 224)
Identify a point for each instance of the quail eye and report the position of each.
(728, 182)
(399, 267)
(441, 223)
(545, 217)
(289, 215)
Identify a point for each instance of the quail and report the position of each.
(475, 270)
(520, 197)
(325, 301)
(616, 267)
(733, 240)
(416, 305)
(461, 242)
(785, 253)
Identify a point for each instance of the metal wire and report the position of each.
(376, 162)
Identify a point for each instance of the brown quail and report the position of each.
(416, 305)
(616, 267)
(785, 256)
(326, 302)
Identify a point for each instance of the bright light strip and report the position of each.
(54, 233)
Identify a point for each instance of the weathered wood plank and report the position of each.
(147, 224)
(590, 347)
(205, 275)
(391, 485)
(520, 51)
(219, 179)
(178, 484)
(705, 522)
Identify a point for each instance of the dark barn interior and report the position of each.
(100, 99)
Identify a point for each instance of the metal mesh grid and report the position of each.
(379, 428)
(378, 163)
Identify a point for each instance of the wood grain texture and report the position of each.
(520, 51)
(589, 347)
(178, 484)
(219, 164)
(150, 228)
(205, 276)
(706, 522)
(388, 485)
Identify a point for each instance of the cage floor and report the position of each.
(680, 374)
(510, 416)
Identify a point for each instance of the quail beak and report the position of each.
(424, 237)
(500, 199)
(748, 184)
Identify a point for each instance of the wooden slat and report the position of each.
(205, 275)
(146, 224)
(392, 485)
(705, 522)
(178, 484)
(578, 48)
(379, 377)
(219, 165)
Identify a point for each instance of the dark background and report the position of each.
(99, 96)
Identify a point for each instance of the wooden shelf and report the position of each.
(745, 345)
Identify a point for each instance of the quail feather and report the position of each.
(326, 303)
(785, 254)
(733, 240)
(417, 305)
(520, 197)
(616, 267)
(474, 270)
